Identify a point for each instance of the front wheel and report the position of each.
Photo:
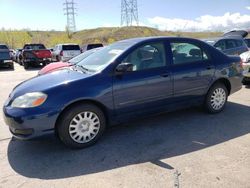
(216, 98)
(81, 126)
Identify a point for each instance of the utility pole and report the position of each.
(70, 12)
(129, 13)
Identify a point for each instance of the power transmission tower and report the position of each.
(70, 11)
(129, 13)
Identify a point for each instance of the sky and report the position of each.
(186, 15)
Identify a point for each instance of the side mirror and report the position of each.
(124, 67)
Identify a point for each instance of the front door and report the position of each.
(148, 86)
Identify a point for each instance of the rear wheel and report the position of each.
(81, 126)
(216, 98)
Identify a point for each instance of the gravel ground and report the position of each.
(186, 148)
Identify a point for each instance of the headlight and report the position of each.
(29, 100)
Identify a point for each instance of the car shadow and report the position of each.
(149, 140)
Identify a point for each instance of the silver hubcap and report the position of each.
(218, 98)
(84, 127)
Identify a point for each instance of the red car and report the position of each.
(60, 65)
(35, 54)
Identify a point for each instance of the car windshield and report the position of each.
(102, 58)
(82, 56)
(70, 47)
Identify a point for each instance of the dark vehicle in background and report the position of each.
(17, 56)
(248, 42)
(60, 65)
(5, 57)
(87, 47)
(128, 79)
(231, 43)
(35, 54)
(65, 52)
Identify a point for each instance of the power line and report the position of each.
(129, 13)
(70, 11)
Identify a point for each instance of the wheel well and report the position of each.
(97, 104)
(225, 82)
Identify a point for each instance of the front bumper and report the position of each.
(26, 124)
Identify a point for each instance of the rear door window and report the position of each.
(187, 53)
(70, 47)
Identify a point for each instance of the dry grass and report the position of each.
(16, 39)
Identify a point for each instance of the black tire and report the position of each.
(209, 104)
(11, 66)
(26, 65)
(63, 126)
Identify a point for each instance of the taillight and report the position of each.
(61, 53)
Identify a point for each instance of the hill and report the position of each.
(16, 39)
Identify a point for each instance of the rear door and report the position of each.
(148, 86)
(192, 69)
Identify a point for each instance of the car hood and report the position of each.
(241, 33)
(48, 81)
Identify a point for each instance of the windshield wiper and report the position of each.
(85, 69)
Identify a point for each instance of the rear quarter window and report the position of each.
(70, 47)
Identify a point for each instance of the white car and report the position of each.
(65, 52)
(245, 57)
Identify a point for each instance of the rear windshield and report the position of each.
(70, 47)
(92, 46)
(3, 47)
(34, 47)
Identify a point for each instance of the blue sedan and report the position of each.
(128, 79)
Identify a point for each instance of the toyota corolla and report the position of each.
(128, 79)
